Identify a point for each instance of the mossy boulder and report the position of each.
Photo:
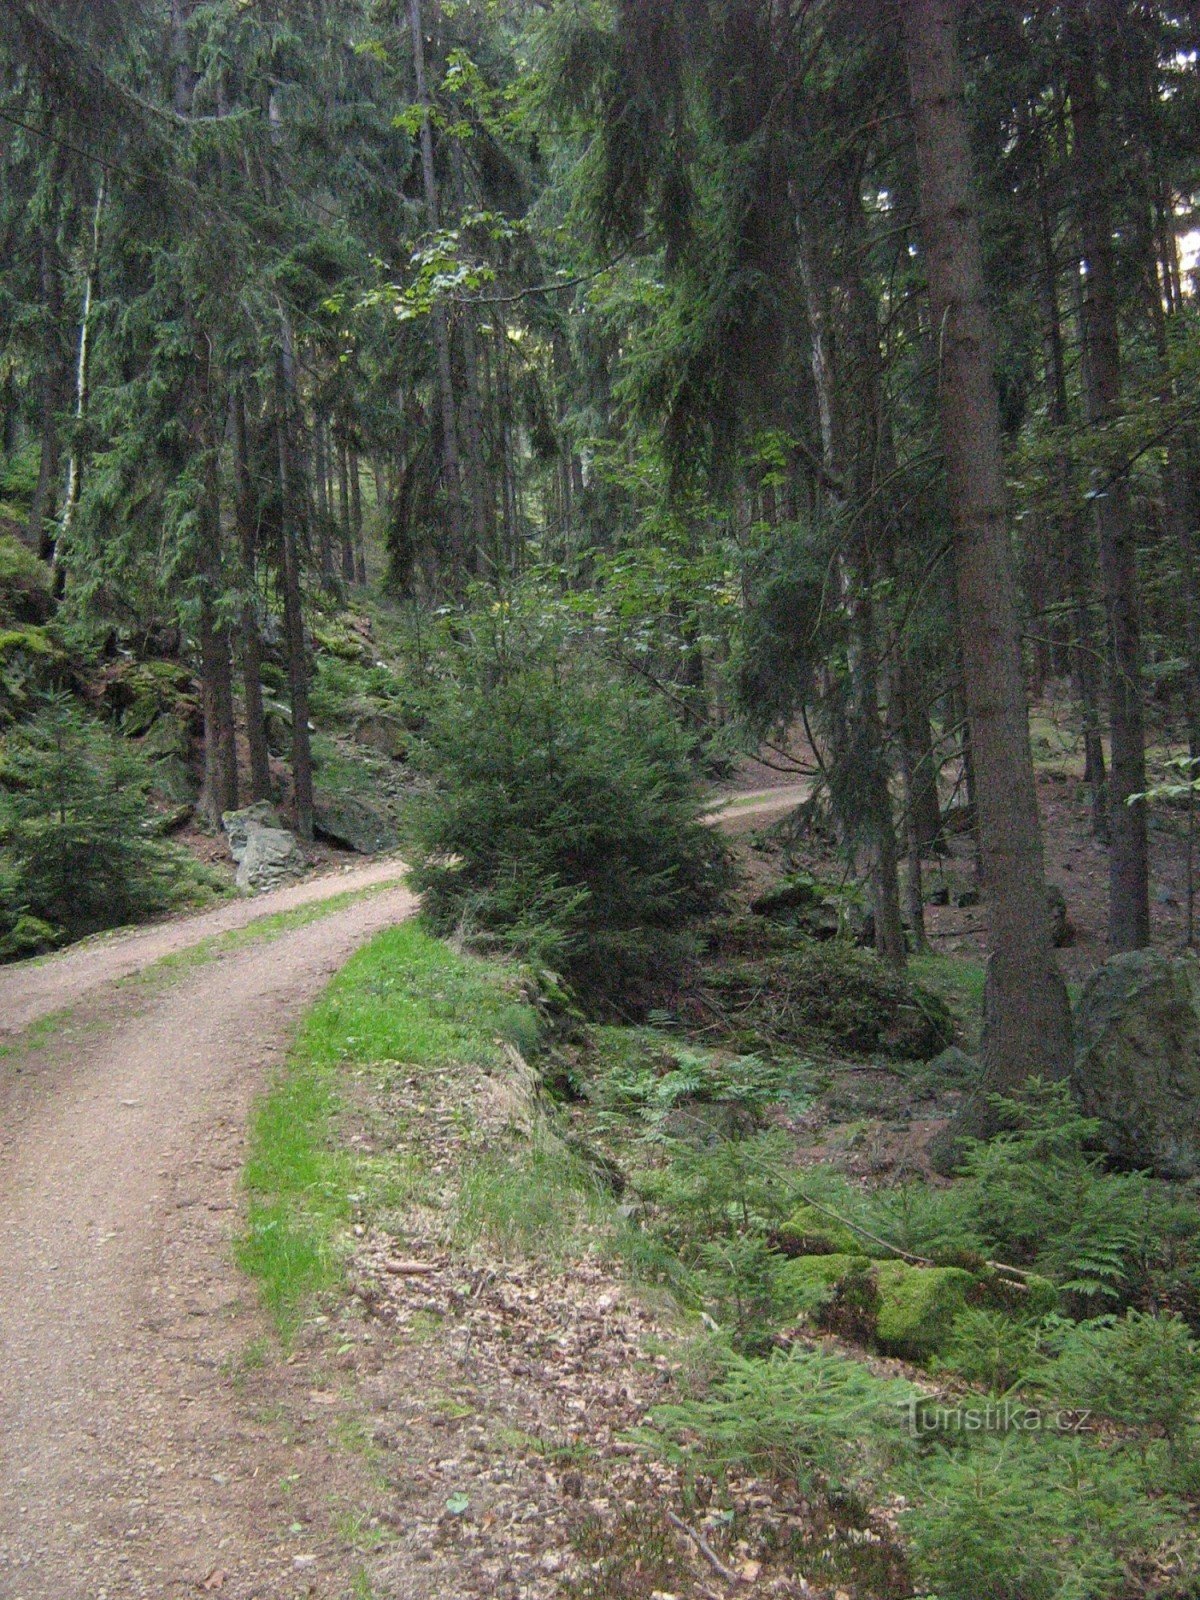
(807, 1284)
(778, 987)
(808, 1232)
(918, 1307)
(899, 1308)
(350, 821)
(24, 584)
(32, 662)
(139, 693)
(1137, 1061)
(383, 733)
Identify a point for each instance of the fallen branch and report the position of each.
(1001, 1267)
(705, 1549)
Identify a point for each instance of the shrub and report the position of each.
(72, 815)
(1141, 1370)
(567, 816)
(807, 1416)
(1030, 1517)
(1041, 1196)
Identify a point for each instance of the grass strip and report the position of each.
(405, 998)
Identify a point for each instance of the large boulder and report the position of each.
(383, 733)
(239, 825)
(349, 821)
(1137, 1060)
(270, 858)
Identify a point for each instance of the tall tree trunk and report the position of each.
(344, 515)
(1083, 650)
(1027, 1023)
(220, 792)
(356, 517)
(49, 377)
(1129, 871)
(247, 522)
(83, 366)
(322, 478)
(850, 450)
(451, 460)
(293, 602)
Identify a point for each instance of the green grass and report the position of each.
(537, 1198)
(37, 1033)
(407, 998)
(959, 982)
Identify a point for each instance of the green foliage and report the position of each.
(1029, 1517)
(806, 1416)
(73, 829)
(566, 818)
(24, 581)
(1041, 1197)
(644, 1074)
(720, 1190)
(993, 1348)
(18, 478)
(536, 1199)
(1142, 1370)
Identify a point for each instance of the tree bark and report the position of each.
(356, 520)
(293, 602)
(247, 522)
(42, 508)
(451, 459)
(1027, 1021)
(850, 441)
(83, 367)
(1129, 871)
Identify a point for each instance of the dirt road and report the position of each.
(34, 989)
(126, 1468)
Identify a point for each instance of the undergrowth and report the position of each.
(929, 1487)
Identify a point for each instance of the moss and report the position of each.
(32, 641)
(29, 936)
(147, 690)
(808, 1283)
(918, 1306)
(24, 583)
(901, 1309)
(807, 1232)
(31, 662)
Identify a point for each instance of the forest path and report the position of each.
(744, 810)
(34, 989)
(127, 1467)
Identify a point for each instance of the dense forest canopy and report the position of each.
(821, 363)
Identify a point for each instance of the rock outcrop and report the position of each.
(267, 855)
(1137, 1060)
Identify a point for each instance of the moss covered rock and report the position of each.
(24, 584)
(779, 987)
(31, 662)
(918, 1307)
(808, 1232)
(808, 1283)
(898, 1308)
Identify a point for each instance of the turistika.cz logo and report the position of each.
(931, 1417)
